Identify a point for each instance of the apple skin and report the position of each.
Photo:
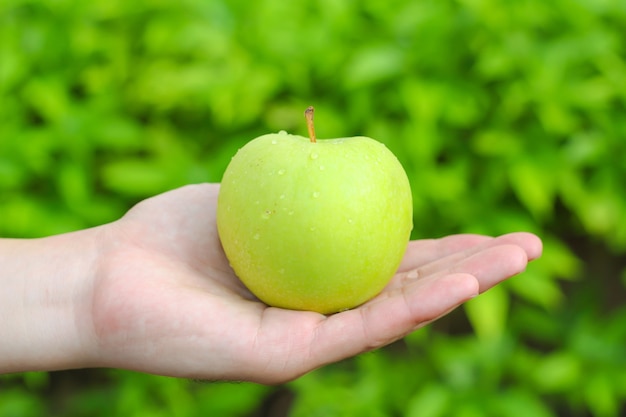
(314, 226)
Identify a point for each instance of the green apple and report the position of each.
(314, 225)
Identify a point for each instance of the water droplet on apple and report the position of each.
(281, 172)
(312, 229)
(266, 214)
(256, 236)
(282, 196)
(322, 167)
(350, 221)
(414, 274)
(290, 212)
(316, 194)
(314, 155)
(281, 271)
(282, 132)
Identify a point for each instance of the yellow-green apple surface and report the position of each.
(314, 225)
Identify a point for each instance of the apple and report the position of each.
(314, 225)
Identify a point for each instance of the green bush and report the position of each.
(506, 115)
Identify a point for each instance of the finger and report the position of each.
(424, 251)
(490, 265)
(493, 265)
(531, 243)
(449, 250)
(389, 318)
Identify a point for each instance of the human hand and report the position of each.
(164, 299)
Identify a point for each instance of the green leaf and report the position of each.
(135, 177)
(432, 401)
(534, 186)
(560, 371)
(373, 64)
(520, 403)
(538, 288)
(488, 313)
(600, 396)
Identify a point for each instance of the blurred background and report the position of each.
(507, 116)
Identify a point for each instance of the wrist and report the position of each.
(45, 301)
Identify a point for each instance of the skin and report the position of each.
(153, 292)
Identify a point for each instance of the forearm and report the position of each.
(45, 287)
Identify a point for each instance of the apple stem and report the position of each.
(308, 114)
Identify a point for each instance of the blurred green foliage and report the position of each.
(506, 115)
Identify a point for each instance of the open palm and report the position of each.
(166, 301)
